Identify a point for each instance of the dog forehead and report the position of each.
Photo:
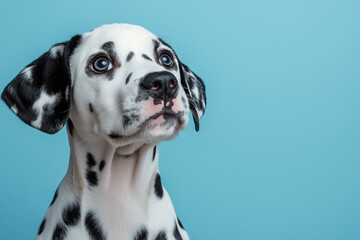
(124, 36)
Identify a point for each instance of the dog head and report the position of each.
(119, 81)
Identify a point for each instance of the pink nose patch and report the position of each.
(151, 108)
(176, 107)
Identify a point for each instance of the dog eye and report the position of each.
(101, 64)
(166, 60)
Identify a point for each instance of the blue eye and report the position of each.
(166, 60)
(101, 64)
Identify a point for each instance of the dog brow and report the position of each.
(109, 48)
(156, 46)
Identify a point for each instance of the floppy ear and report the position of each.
(195, 91)
(40, 94)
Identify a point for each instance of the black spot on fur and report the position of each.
(71, 214)
(177, 233)
(154, 153)
(161, 236)
(146, 57)
(59, 232)
(126, 121)
(92, 178)
(141, 234)
(129, 56)
(93, 227)
(135, 117)
(55, 197)
(91, 107)
(183, 100)
(90, 160)
(71, 126)
(102, 165)
(42, 226)
(128, 78)
(158, 186)
(180, 224)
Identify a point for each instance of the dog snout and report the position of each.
(160, 85)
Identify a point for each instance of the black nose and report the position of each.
(160, 85)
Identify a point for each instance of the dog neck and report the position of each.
(96, 164)
(112, 179)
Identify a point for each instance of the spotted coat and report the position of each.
(121, 90)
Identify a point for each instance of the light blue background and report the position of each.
(278, 152)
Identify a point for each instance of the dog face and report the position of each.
(119, 81)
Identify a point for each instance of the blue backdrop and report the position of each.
(278, 152)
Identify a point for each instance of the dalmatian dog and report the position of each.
(120, 90)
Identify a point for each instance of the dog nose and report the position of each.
(160, 85)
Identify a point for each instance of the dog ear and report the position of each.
(195, 91)
(40, 94)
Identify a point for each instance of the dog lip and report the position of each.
(166, 112)
(114, 135)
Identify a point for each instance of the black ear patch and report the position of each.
(195, 91)
(40, 94)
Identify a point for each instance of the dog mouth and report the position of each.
(166, 115)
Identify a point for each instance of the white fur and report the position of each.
(54, 51)
(27, 73)
(14, 109)
(39, 105)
